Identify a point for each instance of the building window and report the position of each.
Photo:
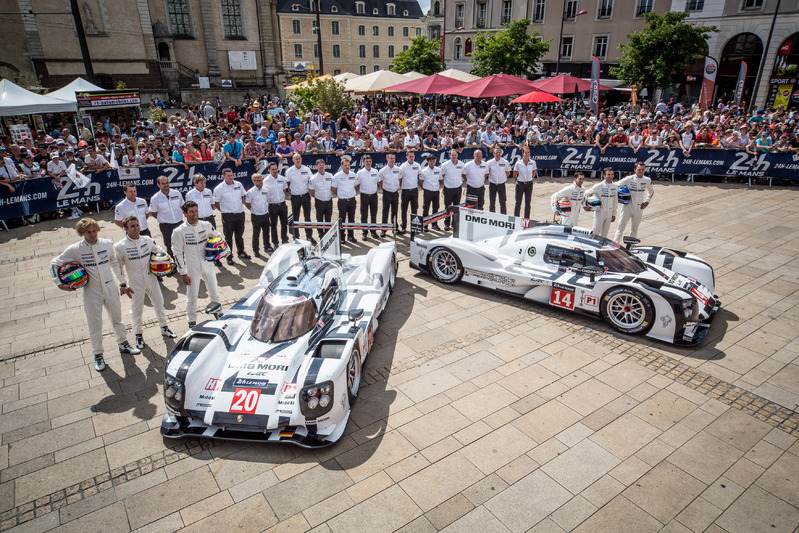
(179, 17)
(297, 51)
(405, 48)
(337, 72)
(643, 7)
(457, 50)
(360, 8)
(467, 48)
(436, 9)
(312, 5)
(334, 28)
(405, 13)
(231, 19)
(336, 51)
(314, 27)
(376, 68)
(405, 31)
(694, 5)
(538, 11)
(605, 9)
(375, 31)
(601, 46)
(391, 31)
(571, 9)
(376, 51)
(334, 9)
(480, 18)
(418, 31)
(391, 51)
(753, 4)
(296, 27)
(362, 70)
(507, 9)
(362, 51)
(566, 45)
(391, 10)
(459, 15)
(316, 50)
(362, 30)
(375, 11)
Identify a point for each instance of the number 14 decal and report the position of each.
(245, 400)
(561, 298)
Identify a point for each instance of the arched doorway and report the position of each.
(742, 47)
(782, 87)
(163, 52)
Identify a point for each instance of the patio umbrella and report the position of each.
(414, 75)
(306, 82)
(344, 76)
(460, 75)
(565, 84)
(434, 84)
(374, 82)
(491, 86)
(535, 97)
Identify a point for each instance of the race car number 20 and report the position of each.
(245, 400)
(561, 298)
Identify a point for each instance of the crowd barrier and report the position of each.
(40, 196)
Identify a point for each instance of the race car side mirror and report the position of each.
(592, 271)
(214, 308)
(629, 241)
(355, 315)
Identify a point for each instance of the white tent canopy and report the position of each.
(14, 100)
(460, 75)
(67, 92)
(414, 75)
(374, 82)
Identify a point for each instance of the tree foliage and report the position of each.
(422, 56)
(511, 50)
(651, 56)
(326, 94)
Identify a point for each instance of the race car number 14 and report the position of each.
(245, 400)
(561, 298)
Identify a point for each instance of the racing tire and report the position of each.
(627, 310)
(392, 274)
(353, 376)
(444, 265)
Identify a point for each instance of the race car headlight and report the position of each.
(315, 399)
(174, 392)
(690, 309)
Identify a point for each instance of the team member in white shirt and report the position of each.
(131, 206)
(389, 179)
(256, 201)
(344, 188)
(410, 187)
(299, 177)
(366, 184)
(276, 186)
(525, 172)
(498, 171)
(641, 193)
(575, 193)
(476, 172)
(321, 190)
(608, 193)
(453, 174)
(229, 199)
(204, 198)
(166, 206)
(431, 185)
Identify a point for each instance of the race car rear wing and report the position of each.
(475, 225)
(419, 223)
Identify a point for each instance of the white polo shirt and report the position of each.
(276, 188)
(167, 209)
(431, 178)
(498, 170)
(390, 178)
(366, 180)
(229, 197)
(204, 200)
(321, 185)
(525, 172)
(298, 179)
(452, 174)
(257, 198)
(475, 174)
(138, 209)
(345, 184)
(410, 175)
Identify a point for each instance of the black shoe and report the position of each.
(218, 263)
(384, 234)
(230, 261)
(284, 242)
(257, 254)
(313, 241)
(374, 234)
(243, 255)
(436, 227)
(269, 249)
(343, 241)
(125, 347)
(192, 324)
(353, 239)
(366, 236)
(139, 342)
(99, 362)
(401, 231)
(166, 332)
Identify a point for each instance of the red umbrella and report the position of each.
(565, 84)
(494, 85)
(536, 97)
(434, 84)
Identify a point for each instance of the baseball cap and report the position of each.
(54, 155)
(379, 133)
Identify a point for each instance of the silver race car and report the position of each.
(284, 363)
(662, 293)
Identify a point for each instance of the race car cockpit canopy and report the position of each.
(283, 316)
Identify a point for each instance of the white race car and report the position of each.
(662, 293)
(284, 363)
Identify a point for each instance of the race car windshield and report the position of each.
(282, 318)
(618, 260)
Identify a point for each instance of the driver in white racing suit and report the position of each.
(97, 258)
(575, 193)
(608, 194)
(641, 193)
(188, 244)
(133, 252)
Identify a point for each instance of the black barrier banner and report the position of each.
(40, 195)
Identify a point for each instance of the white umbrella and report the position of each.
(344, 76)
(374, 82)
(414, 75)
(456, 74)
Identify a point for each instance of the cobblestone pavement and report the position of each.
(478, 412)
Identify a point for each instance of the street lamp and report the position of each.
(560, 37)
(321, 69)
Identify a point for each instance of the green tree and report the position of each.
(651, 56)
(422, 56)
(326, 94)
(511, 50)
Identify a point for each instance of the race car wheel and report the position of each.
(628, 310)
(392, 274)
(444, 265)
(354, 375)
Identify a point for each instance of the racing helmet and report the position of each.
(564, 205)
(215, 249)
(73, 274)
(593, 202)
(624, 195)
(161, 264)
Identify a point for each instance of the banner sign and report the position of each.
(108, 99)
(708, 83)
(739, 85)
(40, 195)
(595, 85)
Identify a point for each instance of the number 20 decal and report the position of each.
(561, 298)
(245, 400)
